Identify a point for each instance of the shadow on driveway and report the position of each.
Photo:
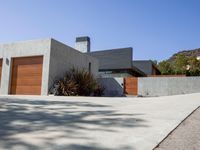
(24, 119)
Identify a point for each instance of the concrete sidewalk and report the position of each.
(186, 136)
(82, 123)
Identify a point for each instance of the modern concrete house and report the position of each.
(116, 63)
(31, 67)
(146, 66)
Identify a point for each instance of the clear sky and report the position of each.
(154, 28)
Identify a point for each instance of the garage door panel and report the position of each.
(27, 81)
(28, 60)
(23, 90)
(27, 75)
(28, 67)
(27, 70)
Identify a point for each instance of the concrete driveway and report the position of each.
(80, 123)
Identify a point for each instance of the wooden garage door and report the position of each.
(26, 75)
(131, 86)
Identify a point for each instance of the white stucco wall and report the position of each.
(24, 49)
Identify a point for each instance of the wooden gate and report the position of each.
(131, 86)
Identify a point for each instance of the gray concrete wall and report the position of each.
(113, 86)
(114, 59)
(163, 86)
(64, 58)
(24, 49)
(144, 65)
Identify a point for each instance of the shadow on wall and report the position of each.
(113, 86)
(37, 124)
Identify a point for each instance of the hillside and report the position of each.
(194, 52)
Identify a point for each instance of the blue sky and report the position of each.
(154, 28)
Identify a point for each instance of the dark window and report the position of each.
(89, 69)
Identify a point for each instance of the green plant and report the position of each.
(194, 66)
(84, 80)
(165, 67)
(188, 65)
(67, 87)
(180, 64)
(77, 82)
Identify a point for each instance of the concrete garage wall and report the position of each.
(163, 86)
(57, 59)
(24, 49)
(64, 58)
(113, 86)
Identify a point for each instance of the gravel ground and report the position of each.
(186, 136)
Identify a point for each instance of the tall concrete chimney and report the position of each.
(83, 44)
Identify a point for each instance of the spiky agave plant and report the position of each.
(78, 82)
(85, 82)
(67, 87)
